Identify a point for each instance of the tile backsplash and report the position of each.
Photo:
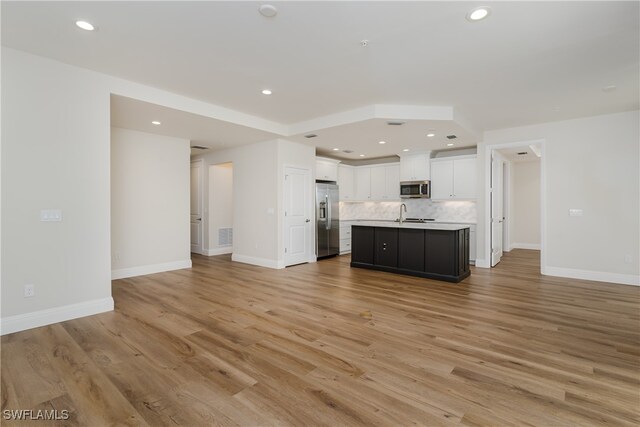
(463, 211)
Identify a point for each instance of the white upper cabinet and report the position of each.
(392, 182)
(414, 167)
(385, 182)
(453, 179)
(378, 183)
(362, 183)
(346, 182)
(326, 169)
(442, 179)
(464, 179)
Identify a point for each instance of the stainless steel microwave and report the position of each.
(415, 189)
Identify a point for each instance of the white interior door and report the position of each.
(297, 216)
(196, 207)
(497, 215)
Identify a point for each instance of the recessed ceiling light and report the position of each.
(361, 155)
(85, 25)
(431, 134)
(268, 10)
(406, 149)
(609, 88)
(479, 13)
(266, 92)
(155, 122)
(336, 149)
(450, 144)
(382, 142)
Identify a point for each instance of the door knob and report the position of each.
(307, 220)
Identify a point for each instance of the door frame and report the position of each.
(486, 262)
(311, 244)
(496, 156)
(202, 207)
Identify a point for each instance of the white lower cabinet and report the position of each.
(345, 237)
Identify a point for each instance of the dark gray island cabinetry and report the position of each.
(434, 251)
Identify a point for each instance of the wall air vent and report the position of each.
(225, 236)
(311, 135)
(395, 123)
(347, 151)
(451, 137)
(199, 147)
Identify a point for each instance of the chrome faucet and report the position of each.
(405, 211)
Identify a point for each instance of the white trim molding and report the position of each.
(21, 322)
(261, 262)
(598, 276)
(534, 246)
(483, 263)
(142, 270)
(218, 251)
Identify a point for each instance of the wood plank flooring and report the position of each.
(324, 344)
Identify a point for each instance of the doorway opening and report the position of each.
(220, 208)
(197, 229)
(516, 199)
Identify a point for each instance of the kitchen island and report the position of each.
(434, 251)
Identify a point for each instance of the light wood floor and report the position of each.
(324, 344)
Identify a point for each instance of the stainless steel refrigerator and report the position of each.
(327, 220)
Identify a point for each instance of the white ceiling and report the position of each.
(216, 134)
(511, 153)
(363, 137)
(528, 62)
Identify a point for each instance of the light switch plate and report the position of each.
(575, 212)
(51, 215)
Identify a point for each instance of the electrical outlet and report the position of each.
(29, 291)
(116, 255)
(628, 259)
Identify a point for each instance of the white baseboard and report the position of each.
(262, 262)
(149, 269)
(219, 251)
(598, 276)
(483, 263)
(535, 246)
(21, 322)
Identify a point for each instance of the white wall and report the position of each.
(591, 164)
(220, 205)
(255, 201)
(149, 203)
(525, 207)
(55, 142)
(258, 186)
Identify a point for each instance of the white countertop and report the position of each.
(351, 221)
(417, 225)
